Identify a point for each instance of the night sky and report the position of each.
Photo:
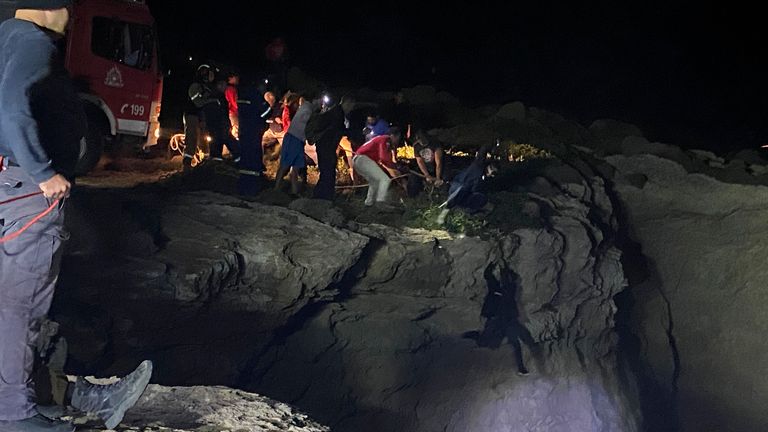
(688, 74)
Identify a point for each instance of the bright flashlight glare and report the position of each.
(208, 138)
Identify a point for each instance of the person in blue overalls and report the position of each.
(41, 124)
(254, 111)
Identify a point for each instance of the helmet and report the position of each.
(203, 72)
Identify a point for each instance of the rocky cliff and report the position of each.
(618, 289)
(363, 326)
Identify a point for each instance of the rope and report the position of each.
(366, 185)
(34, 220)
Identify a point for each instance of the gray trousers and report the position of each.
(29, 267)
(378, 180)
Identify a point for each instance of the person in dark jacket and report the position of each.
(218, 125)
(465, 189)
(41, 125)
(254, 110)
(325, 129)
(199, 95)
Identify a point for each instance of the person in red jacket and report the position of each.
(290, 106)
(375, 161)
(233, 80)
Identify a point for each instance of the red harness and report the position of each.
(34, 220)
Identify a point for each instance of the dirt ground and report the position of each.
(159, 171)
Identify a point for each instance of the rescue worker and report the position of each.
(199, 95)
(254, 110)
(274, 133)
(324, 130)
(230, 94)
(216, 116)
(41, 124)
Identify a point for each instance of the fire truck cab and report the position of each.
(112, 54)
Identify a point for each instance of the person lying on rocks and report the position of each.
(465, 190)
(376, 162)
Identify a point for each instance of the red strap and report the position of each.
(19, 198)
(30, 223)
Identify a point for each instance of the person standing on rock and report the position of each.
(41, 125)
(254, 111)
(292, 151)
(324, 130)
(199, 95)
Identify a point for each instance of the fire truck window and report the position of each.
(123, 42)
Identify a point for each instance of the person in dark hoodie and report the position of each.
(325, 129)
(41, 124)
(465, 189)
(199, 95)
(254, 110)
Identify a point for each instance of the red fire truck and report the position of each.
(112, 54)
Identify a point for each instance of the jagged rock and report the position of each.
(758, 170)
(225, 275)
(698, 294)
(512, 111)
(488, 111)
(380, 329)
(195, 409)
(608, 135)
(404, 329)
(542, 129)
(421, 95)
(614, 129)
(752, 157)
(321, 210)
(299, 81)
(708, 156)
(446, 98)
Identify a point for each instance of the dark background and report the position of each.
(688, 73)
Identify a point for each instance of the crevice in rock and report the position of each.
(673, 345)
(252, 372)
(660, 413)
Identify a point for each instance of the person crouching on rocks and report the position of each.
(375, 161)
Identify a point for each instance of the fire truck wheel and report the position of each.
(91, 147)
